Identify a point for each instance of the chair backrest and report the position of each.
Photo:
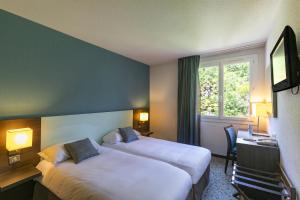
(231, 137)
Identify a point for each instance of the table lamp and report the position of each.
(261, 109)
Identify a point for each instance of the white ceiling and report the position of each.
(154, 31)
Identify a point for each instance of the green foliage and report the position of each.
(236, 90)
(209, 81)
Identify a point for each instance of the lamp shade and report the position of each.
(18, 139)
(144, 116)
(262, 109)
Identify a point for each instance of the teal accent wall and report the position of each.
(44, 72)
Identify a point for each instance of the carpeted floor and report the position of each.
(219, 187)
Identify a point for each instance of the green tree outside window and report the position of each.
(236, 90)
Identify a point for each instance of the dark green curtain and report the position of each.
(188, 125)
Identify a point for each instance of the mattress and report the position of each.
(192, 159)
(115, 175)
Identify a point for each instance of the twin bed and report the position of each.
(145, 169)
(115, 175)
(192, 159)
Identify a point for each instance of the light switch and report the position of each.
(14, 159)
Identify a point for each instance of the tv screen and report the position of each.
(279, 65)
(285, 65)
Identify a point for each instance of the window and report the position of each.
(209, 90)
(236, 90)
(224, 89)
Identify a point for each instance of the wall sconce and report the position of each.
(17, 139)
(141, 119)
(144, 116)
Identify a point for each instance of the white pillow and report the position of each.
(112, 137)
(95, 144)
(54, 154)
(137, 132)
(57, 153)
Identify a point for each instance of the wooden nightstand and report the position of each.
(147, 133)
(18, 183)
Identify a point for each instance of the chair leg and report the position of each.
(236, 195)
(232, 162)
(226, 164)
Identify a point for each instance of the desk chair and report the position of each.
(231, 145)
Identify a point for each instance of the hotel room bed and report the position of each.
(192, 159)
(113, 175)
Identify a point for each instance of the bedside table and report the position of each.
(18, 183)
(147, 133)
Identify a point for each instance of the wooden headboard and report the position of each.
(28, 155)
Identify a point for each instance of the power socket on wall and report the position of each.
(13, 159)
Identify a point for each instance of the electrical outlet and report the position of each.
(14, 159)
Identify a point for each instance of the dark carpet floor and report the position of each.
(219, 187)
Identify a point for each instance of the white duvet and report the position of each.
(115, 175)
(192, 159)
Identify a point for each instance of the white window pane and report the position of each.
(209, 91)
(236, 89)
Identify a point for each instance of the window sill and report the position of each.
(231, 120)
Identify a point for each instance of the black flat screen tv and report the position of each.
(285, 65)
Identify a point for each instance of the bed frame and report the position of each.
(43, 193)
(199, 188)
(60, 129)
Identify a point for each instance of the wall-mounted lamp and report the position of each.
(143, 124)
(17, 139)
(141, 119)
(144, 116)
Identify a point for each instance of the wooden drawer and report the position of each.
(258, 157)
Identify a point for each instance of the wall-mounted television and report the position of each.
(285, 65)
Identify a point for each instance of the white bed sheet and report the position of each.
(192, 159)
(115, 175)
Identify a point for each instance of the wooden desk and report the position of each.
(254, 156)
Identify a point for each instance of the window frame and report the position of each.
(252, 59)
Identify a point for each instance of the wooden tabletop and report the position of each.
(18, 176)
(147, 133)
(243, 137)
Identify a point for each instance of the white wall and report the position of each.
(163, 101)
(287, 125)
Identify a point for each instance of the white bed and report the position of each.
(192, 159)
(115, 175)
